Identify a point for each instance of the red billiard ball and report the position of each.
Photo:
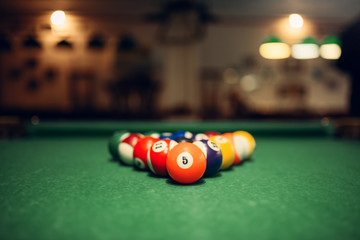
(211, 134)
(157, 155)
(213, 156)
(126, 148)
(140, 152)
(186, 163)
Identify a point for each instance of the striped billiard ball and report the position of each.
(200, 136)
(114, 142)
(237, 145)
(213, 156)
(126, 148)
(248, 142)
(157, 155)
(141, 150)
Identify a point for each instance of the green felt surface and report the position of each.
(64, 128)
(67, 188)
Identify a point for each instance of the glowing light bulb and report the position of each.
(249, 83)
(295, 20)
(58, 17)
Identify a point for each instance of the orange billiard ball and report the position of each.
(186, 163)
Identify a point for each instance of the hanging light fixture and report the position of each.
(58, 17)
(331, 48)
(296, 20)
(307, 49)
(274, 48)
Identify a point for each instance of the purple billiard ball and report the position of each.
(213, 156)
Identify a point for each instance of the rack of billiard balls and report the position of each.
(183, 156)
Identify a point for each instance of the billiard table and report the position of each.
(59, 182)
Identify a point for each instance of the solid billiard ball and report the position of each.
(200, 136)
(186, 163)
(157, 155)
(183, 139)
(126, 148)
(180, 134)
(213, 156)
(247, 140)
(114, 142)
(140, 152)
(165, 135)
(211, 133)
(238, 147)
(227, 151)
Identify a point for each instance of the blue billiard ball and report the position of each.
(166, 135)
(180, 134)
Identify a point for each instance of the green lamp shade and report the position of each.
(272, 39)
(273, 48)
(332, 39)
(331, 48)
(307, 49)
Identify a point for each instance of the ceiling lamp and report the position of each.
(274, 48)
(57, 17)
(307, 49)
(331, 48)
(295, 20)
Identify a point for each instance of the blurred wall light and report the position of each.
(249, 82)
(274, 48)
(307, 49)
(331, 48)
(58, 17)
(295, 20)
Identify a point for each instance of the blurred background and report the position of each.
(181, 59)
